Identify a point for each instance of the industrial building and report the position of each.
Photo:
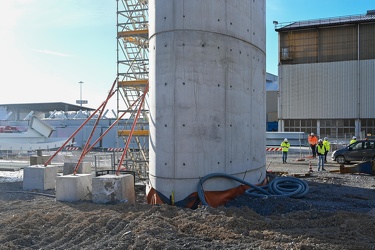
(326, 73)
(272, 91)
(65, 119)
(23, 111)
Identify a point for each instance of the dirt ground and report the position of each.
(338, 212)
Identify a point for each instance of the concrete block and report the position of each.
(38, 160)
(113, 189)
(39, 177)
(84, 168)
(74, 187)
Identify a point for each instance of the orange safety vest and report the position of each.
(313, 140)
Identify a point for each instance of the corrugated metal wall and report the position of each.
(367, 89)
(271, 102)
(337, 44)
(367, 41)
(327, 90)
(330, 44)
(302, 46)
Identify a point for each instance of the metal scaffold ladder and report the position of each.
(132, 81)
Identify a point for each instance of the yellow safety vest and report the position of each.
(321, 149)
(285, 146)
(327, 144)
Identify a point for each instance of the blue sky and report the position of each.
(48, 46)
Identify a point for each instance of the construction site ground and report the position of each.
(338, 212)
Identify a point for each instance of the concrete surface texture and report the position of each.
(205, 106)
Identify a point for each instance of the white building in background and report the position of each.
(65, 119)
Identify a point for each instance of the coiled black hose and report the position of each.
(280, 186)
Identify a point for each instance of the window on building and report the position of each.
(339, 130)
(284, 53)
(368, 126)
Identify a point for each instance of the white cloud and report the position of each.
(54, 53)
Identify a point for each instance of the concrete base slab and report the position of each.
(84, 168)
(113, 189)
(74, 187)
(39, 177)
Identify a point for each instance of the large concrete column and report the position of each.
(207, 93)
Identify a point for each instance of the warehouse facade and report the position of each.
(326, 76)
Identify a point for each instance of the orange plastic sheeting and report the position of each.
(219, 198)
(153, 198)
(213, 198)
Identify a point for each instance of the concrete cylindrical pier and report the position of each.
(207, 93)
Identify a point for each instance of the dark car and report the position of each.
(363, 150)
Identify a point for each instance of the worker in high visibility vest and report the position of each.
(285, 145)
(327, 144)
(353, 140)
(320, 150)
(313, 140)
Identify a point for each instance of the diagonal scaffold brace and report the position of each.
(143, 97)
(100, 108)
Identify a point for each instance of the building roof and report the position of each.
(45, 107)
(369, 17)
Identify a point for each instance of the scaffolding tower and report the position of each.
(132, 81)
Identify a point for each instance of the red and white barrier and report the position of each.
(274, 149)
(115, 149)
(72, 148)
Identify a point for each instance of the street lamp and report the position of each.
(80, 101)
(80, 92)
(275, 23)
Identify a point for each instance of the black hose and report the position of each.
(281, 186)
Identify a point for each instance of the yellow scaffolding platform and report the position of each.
(135, 132)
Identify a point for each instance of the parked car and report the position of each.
(362, 150)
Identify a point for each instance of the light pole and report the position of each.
(80, 92)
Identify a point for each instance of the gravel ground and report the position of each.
(338, 212)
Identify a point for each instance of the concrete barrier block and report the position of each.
(113, 189)
(39, 177)
(38, 160)
(84, 168)
(74, 187)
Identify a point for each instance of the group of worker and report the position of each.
(321, 148)
(318, 147)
